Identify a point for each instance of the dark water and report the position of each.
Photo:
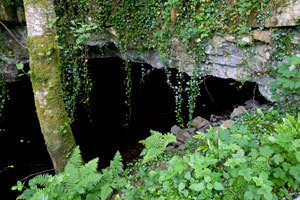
(99, 129)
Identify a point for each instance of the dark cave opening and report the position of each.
(99, 129)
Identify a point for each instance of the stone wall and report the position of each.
(243, 58)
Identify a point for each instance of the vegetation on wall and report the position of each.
(150, 25)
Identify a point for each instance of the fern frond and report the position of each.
(156, 144)
(91, 179)
(88, 168)
(75, 160)
(116, 163)
(42, 180)
(106, 191)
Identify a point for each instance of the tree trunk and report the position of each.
(46, 81)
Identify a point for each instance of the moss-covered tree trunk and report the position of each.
(46, 80)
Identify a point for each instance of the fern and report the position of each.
(156, 144)
(78, 181)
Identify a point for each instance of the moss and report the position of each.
(46, 83)
(39, 3)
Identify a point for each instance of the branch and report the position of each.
(13, 36)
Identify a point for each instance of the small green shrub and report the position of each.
(156, 144)
(78, 181)
(234, 163)
(288, 83)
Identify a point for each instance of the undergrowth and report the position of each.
(257, 158)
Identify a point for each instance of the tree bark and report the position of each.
(46, 81)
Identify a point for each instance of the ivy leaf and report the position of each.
(197, 187)
(218, 186)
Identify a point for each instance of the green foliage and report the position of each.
(153, 25)
(242, 162)
(76, 82)
(156, 144)
(78, 181)
(288, 83)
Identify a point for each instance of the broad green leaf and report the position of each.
(207, 179)
(266, 151)
(218, 186)
(279, 173)
(294, 170)
(197, 187)
(246, 173)
(248, 195)
(181, 186)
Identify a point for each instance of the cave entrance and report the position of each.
(152, 107)
(99, 130)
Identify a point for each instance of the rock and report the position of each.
(264, 36)
(285, 15)
(251, 104)
(225, 58)
(230, 38)
(247, 39)
(228, 123)
(170, 148)
(237, 111)
(175, 129)
(181, 147)
(183, 135)
(199, 122)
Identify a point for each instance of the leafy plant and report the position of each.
(234, 163)
(288, 83)
(156, 144)
(78, 181)
(20, 67)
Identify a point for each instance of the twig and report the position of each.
(48, 170)
(13, 36)
(208, 91)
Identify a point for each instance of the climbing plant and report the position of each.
(73, 31)
(150, 25)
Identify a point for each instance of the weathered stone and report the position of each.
(225, 56)
(285, 15)
(247, 39)
(199, 122)
(237, 111)
(228, 123)
(170, 148)
(183, 135)
(251, 104)
(175, 129)
(230, 38)
(264, 36)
